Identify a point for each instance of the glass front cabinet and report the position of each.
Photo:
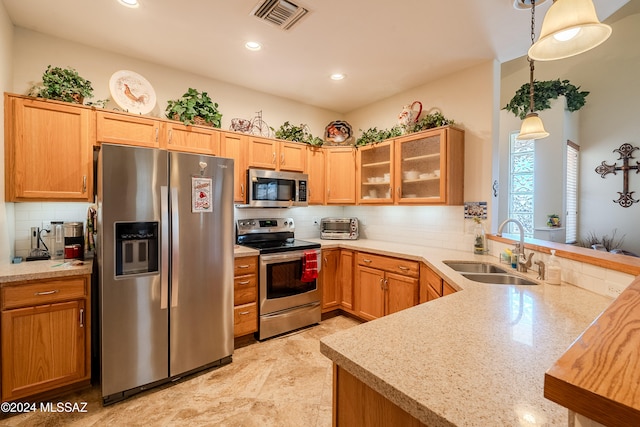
(420, 168)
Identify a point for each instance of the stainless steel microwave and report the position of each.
(275, 189)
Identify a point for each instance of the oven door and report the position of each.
(281, 287)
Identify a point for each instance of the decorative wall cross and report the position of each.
(626, 197)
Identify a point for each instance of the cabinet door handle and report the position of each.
(274, 158)
(244, 266)
(82, 317)
(242, 313)
(398, 191)
(382, 284)
(282, 158)
(244, 282)
(325, 260)
(403, 268)
(242, 189)
(156, 134)
(367, 261)
(55, 291)
(84, 183)
(170, 135)
(386, 285)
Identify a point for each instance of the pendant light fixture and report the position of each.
(532, 127)
(570, 27)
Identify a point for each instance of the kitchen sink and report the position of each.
(474, 267)
(498, 279)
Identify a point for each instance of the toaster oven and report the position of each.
(339, 228)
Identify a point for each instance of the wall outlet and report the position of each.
(46, 226)
(614, 290)
(316, 221)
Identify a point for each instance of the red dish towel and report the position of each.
(309, 266)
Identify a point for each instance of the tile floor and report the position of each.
(280, 382)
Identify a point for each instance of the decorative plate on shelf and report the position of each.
(132, 92)
(338, 133)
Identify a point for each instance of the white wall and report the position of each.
(609, 119)
(6, 209)
(33, 52)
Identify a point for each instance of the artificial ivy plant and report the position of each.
(544, 91)
(63, 84)
(194, 107)
(427, 121)
(291, 132)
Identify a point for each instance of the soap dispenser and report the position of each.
(553, 269)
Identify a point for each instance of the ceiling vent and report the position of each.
(281, 13)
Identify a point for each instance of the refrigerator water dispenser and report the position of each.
(136, 247)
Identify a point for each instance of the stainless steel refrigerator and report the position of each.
(165, 256)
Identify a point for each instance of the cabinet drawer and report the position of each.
(394, 265)
(245, 289)
(245, 265)
(46, 292)
(245, 319)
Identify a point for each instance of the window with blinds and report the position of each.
(571, 220)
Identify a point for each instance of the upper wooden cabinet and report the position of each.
(316, 166)
(120, 128)
(48, 150)
(341, 175)
(123, 128)
(274, 154)
(430, 167)
(193, 139)
(376, 166)
(235, 146)
(421, 168)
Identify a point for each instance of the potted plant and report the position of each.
(63, 84)
(194, 108)
(290, 132)
(543, 92)
(374, 136)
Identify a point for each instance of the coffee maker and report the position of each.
(73, 240)
(56, 240)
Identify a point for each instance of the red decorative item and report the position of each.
(309, 266)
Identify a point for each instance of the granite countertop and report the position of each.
(476, 357)
(240, 251)
(34, 270)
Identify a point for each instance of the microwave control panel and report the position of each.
(302, 191)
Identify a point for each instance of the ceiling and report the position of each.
(384, 47)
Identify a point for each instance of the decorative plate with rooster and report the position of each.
(132, 92)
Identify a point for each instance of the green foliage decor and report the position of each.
(194, 108)
(544, 91)
(290, 132)
(63, 84)
(428, 121)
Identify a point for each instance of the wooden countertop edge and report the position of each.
(598, 375)
(622, 263)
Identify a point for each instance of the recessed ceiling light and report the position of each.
(130, 3)
(338, 76)
(253, 45)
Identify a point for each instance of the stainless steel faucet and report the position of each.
(523, 262)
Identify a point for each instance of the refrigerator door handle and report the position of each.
(164, 261)
(175, 250)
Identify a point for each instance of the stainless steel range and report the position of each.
(288, 288)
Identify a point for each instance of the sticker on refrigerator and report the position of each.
(201, 189)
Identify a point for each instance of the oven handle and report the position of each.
(288, 256)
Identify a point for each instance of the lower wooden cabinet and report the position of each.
(245, 296)
(346, 279)
(329, 280)
(357, 404)
(45, 337)
(432, 286)
(380, 289)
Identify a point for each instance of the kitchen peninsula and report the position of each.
(477, 357)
